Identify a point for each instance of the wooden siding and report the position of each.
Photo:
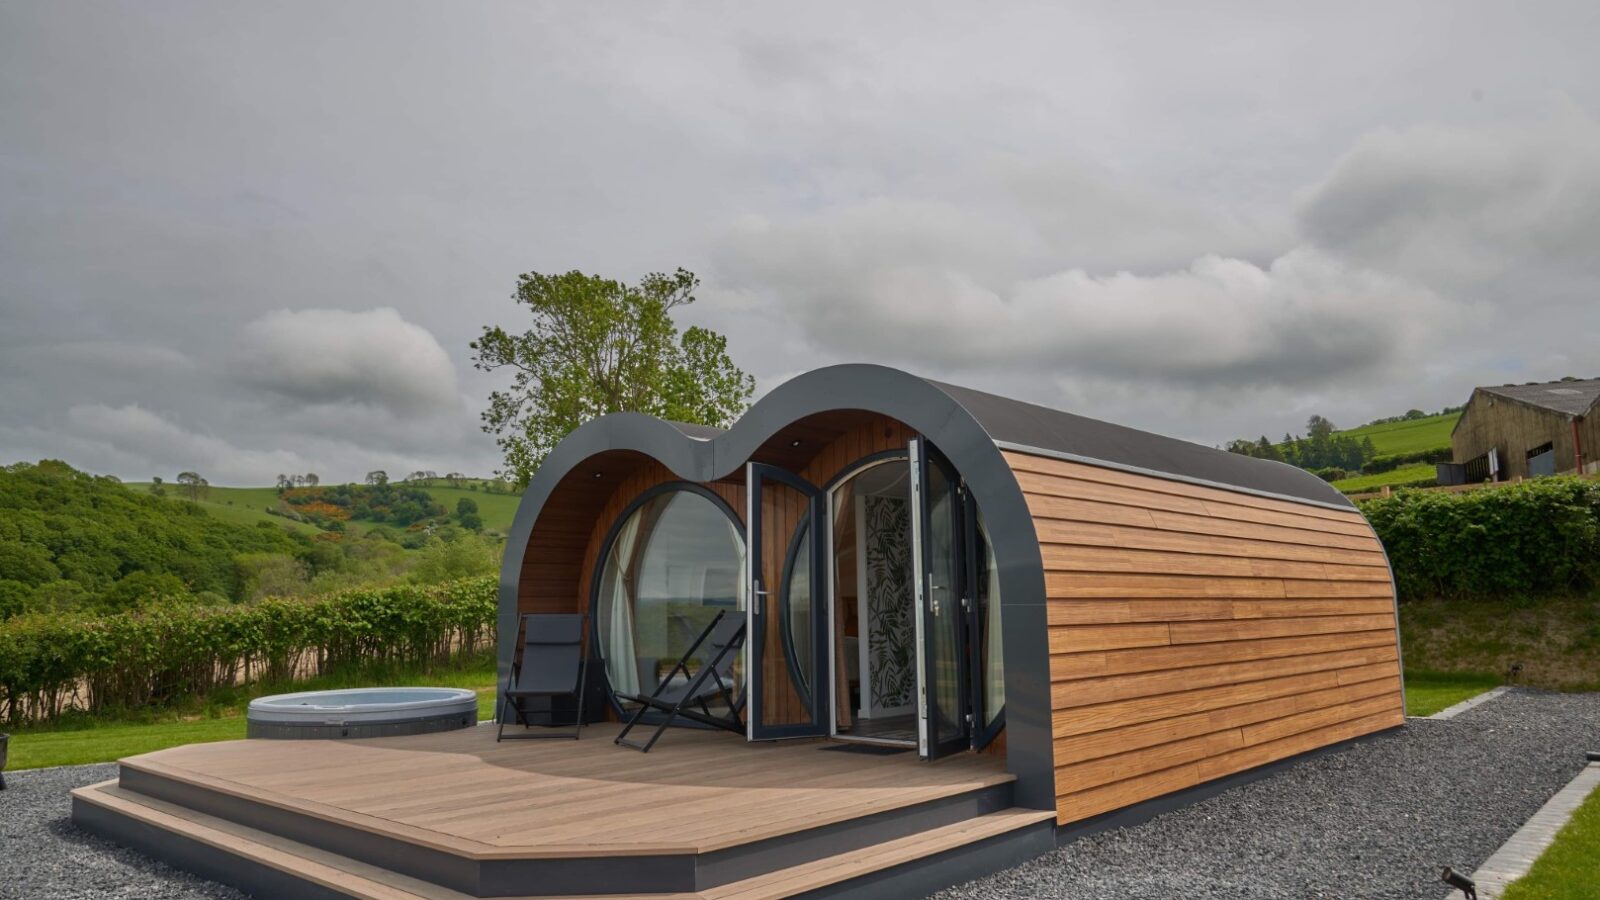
(1197, 632)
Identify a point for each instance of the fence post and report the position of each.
(1386, 490)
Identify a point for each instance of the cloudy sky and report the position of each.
(254, 238)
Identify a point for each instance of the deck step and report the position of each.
(882, 858)
(257, 860)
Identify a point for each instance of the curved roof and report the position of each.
(1031, 427)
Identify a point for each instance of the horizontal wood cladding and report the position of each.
(1197, 632)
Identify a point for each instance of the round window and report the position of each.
(673, 562)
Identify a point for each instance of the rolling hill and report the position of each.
(249, 505)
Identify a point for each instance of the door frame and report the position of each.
(930, 745)
(757, 622)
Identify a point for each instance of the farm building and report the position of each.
(968, 628)
(1525, 430)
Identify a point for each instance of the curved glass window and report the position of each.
(986, 585)
(797, 611)
(673, 563)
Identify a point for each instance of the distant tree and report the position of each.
(467, 514)
(193, 485)
(1413, 414)
(284, 482)
(378, 478)
(157, 486)
(600, 346)
(1266, 450)
(1368, 449)
(312, 480)
(1318, 427)
(455, 478)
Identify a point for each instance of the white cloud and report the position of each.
(142, 434)
(374, 357)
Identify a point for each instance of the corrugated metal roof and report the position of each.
(1570, 398)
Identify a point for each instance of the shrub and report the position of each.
(1380, 464)
(1539, 537)
(170, 653)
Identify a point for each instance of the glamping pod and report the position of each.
(947, 631)
(1120, 616)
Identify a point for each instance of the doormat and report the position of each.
(868, 749)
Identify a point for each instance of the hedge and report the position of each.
(52, 663)
(1380, 464)
(1513, 541)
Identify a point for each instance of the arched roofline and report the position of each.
(920, 405)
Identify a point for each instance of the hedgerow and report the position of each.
(158, 657)
(1515, 541)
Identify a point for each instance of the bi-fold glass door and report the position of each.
(789, 677)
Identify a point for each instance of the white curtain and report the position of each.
(624, 663)
(994, 678)
(740, 585)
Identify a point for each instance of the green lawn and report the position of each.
(497, 510)
(1570, 868)
(84, 740)
(1403, 475)
(1429, 692)
(1431, 433)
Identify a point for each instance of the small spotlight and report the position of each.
(1460, 882)
(597, 474)
(794, 443)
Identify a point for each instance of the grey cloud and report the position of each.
(374, 357)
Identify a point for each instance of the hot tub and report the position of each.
(361, 713)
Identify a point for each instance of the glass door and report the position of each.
(786, 640)
(939, 558)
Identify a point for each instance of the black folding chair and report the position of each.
(549, 663)
(693, 697)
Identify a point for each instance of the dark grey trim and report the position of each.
(923, 407)
(595, 653)
(1345, 506)
(958, 865)
(1144, 811)
(189, 855)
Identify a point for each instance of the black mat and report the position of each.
(868, 749)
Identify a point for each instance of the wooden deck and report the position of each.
(695, 792)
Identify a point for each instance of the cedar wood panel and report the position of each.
(1198, 632)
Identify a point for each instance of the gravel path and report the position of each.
(1373, 821)
(43, 856)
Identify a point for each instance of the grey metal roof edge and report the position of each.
(1348, 506)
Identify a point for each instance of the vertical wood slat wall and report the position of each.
(1197, 632)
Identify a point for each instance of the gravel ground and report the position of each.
(43, 856)
(1372, 821)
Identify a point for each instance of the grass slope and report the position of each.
(1556, 640)
(248, 505)
(1431, 433)
(241, 506)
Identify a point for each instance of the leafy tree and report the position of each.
(600, 346)
(312, 480)
(378, 477)
(194, 486)
(1319, 428)
(467, 514)
(157, 487)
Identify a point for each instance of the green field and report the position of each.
(1403, 475)
(1414, 436)
(248, 505)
